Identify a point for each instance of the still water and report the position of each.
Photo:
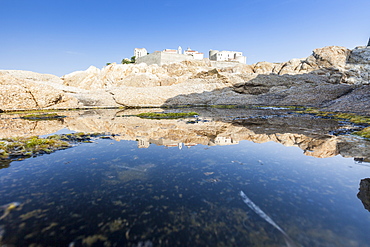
(149, 188)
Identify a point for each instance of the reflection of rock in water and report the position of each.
(5, 164)
(361, 160)
(364, 194)
(226, 127)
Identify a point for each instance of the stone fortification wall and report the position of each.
(167, 58)
(213, 54)
(222, 64)
(161, 58)
(153, 58)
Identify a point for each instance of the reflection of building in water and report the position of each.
(140, 52)
(362, 160)
(221, 140)
(163, 142)
(170, 143)
(142, 143)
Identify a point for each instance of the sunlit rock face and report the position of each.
(20, 91)
(212, 129)
(324, 60)
(315, 81)
(142, 75)
(356, 72)
(134, 75)
(32, 76)
(330, 56)
(320, 80)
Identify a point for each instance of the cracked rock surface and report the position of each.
(18, 93)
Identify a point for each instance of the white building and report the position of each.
(168, 56)
(197, 55)
(221, 140)
(140, 52)
(227, 56)
(173, 51)
(143, 143)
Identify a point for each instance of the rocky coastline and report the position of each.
(331, 79)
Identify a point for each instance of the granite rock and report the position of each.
(17, 93)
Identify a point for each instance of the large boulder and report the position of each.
(358, 67)
(24, 94)
(264, 68)
(293, 66)
(330, 56)
(329, 62)
(88, 79)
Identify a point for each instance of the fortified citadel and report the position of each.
(168, 56)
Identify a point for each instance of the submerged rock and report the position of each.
(24, 147)
(364, 193)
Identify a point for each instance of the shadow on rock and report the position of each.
(364, 193)
(277, 90)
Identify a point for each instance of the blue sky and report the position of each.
(62, 36)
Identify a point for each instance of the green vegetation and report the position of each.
(350, 117)
(224, 106)
(29, 146)
(35, 111)
(38, 111)
(125, 61)
(76, 137)
(39, 117)
(24, 147)
(363, 133)
(358, 119)
(280, 107)
(169, 115)
(128, 61)
(182, 106)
